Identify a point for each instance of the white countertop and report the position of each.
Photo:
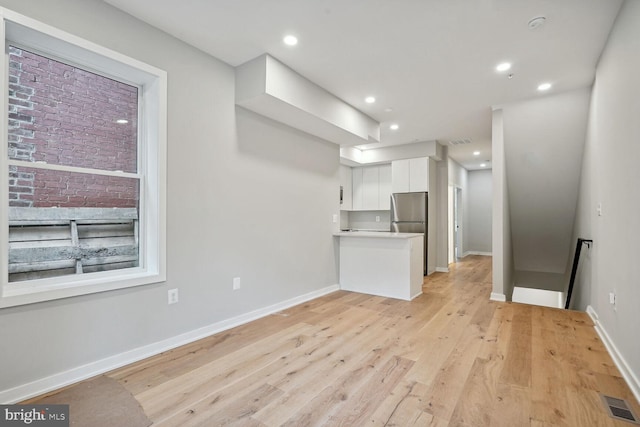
(377, 234)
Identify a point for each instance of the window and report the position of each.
(84, 153)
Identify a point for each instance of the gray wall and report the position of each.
(501, 237)
(366, 220)
(479, 212)
(459, 177)
(246, 197)
(610, 176)
(442, 213)
(544, 141)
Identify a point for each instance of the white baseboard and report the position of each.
(498, 297)
(629, 376)
(592, 314)
(442, 269)
(71, 376)
(477, 253)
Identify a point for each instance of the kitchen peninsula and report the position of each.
(381, 263)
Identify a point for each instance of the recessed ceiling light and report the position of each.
(370, 99)
(394, 126)
(483, 165)
(290, 40)
(504, 66)
(122, 121)
(544, 86)
(476, 153)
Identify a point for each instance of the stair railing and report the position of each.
(574, 269)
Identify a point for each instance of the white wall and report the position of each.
(431, 149)
(610, 176)
(438, 174)
(457, 174)
(247, 197)
(458, 177)
(502, 261)
(479, 212)
(544, 141)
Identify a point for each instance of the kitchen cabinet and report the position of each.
(385, 264)
(419, 174)
(384, 187)
(358, 189)
(346, 182)
(400, 176)
(370, 184)
(410, 175)
(371, 188)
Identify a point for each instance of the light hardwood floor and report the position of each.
(450, 357)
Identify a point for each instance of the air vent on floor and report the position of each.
(619, 409)
(460, 141)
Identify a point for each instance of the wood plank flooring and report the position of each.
(451, 357)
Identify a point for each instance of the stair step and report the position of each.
(540, 297)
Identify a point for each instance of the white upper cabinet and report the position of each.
(410, 175)
(400, 176)
(358, 189)
(371, 188)
(384, 188)
(346, 184)
(419, 174)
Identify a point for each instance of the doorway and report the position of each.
(455, 234)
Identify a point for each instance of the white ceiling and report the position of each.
(431, 61)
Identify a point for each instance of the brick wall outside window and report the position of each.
(63, 115)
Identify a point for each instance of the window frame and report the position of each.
(24, 32)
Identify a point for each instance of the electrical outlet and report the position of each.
(236, 283)
(335, 218)
(377, 218)
(599, 209)
(612, 298)
(172, 296)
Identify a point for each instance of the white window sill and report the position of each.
(33, 291)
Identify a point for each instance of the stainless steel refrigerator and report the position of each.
(409, 215)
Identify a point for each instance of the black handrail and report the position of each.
(574, 270)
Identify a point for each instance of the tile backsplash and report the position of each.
(366, 220)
